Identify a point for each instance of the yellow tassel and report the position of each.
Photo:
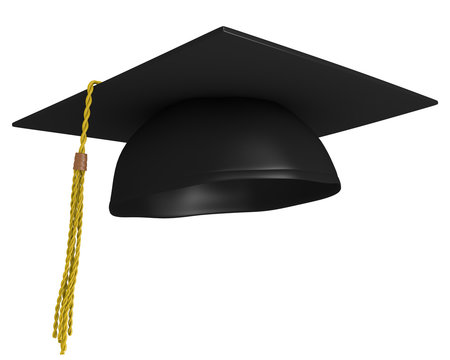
(62, 326)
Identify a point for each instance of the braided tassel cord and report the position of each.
(62, 326)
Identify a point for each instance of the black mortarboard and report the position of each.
(233, 117)
(227, 122)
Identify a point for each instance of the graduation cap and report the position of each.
(224, 123)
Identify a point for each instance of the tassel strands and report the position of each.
(62, 326)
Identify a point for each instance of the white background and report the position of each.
(362, 275)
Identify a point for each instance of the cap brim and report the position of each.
(227, 63)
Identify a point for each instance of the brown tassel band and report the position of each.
(80, 162)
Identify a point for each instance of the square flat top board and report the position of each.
(227, 63)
